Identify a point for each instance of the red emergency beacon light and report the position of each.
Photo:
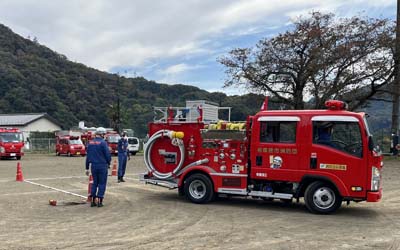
(336, 105)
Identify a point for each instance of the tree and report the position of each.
(321, 58)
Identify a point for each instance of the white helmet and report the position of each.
(100, 131)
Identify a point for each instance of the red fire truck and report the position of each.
(11, 143)
(112, 138)
(324, 156)
(70, 145)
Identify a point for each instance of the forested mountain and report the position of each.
(34, 78)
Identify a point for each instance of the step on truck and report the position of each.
(325, 157)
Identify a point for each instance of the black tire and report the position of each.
(321, 198)
(199, 189)
(69, 154)
(133, 153)
(57, 153)
(18, 157)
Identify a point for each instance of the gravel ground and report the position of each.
(138, 216)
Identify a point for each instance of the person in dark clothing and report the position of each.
(325, 134)
(98, 158)
(123, 156)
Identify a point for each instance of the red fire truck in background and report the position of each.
(112, 138)
(87, 135)
(11, 143)
(324, 156)
(70, 145)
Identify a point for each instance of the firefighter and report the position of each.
(123, 156)
(98, 158)
(325, 134)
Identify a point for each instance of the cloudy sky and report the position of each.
(169, 41)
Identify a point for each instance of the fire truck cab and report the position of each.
(11, 143)
(324, 156)
(112, 138)
(70, 145)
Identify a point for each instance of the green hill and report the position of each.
(34, 78)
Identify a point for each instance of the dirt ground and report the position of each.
(139, 216)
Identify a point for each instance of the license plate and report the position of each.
(12, 154)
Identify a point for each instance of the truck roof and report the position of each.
(9, 130)
(309, 113)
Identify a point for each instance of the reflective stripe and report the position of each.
(279, 118)
(335, 118)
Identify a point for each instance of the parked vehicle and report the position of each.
(11, 143)
(112, 138)
(277, 154)
(70, 145)
(133, 145)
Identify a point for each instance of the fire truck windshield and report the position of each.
(11, 137)
(113, 138)
(75, 142)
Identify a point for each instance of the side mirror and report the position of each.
(370, 143)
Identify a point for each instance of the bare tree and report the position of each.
(321, 58)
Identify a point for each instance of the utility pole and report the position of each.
(396, 83)
(118, 105)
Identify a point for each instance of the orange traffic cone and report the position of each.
(89, 198)
(19, 177)
(114, 169)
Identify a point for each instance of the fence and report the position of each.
(48, 145)
(41, 145)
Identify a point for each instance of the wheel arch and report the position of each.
(336, 183)
(195, 170)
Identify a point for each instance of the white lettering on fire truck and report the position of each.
(261, 174)
(332, 166)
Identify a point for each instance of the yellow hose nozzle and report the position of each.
(178, 135)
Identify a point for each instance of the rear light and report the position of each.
(375, 179)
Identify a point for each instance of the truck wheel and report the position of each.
(69, 154)
(57, 153)
(133, 153)
(322, 198)
(199, 189)
(18, 157)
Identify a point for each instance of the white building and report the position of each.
(27, 123)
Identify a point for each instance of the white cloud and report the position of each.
(176, 69)
(133, 33)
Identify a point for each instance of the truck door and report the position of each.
(275, 153)
(64, 146)
(337, 146)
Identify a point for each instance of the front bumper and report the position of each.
(374, 196)
(78, 152)
(11, 154)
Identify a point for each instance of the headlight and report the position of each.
(2, 150)
(375, 179)
(72, 147)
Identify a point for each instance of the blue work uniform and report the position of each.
(99, 158)
(123, 152)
